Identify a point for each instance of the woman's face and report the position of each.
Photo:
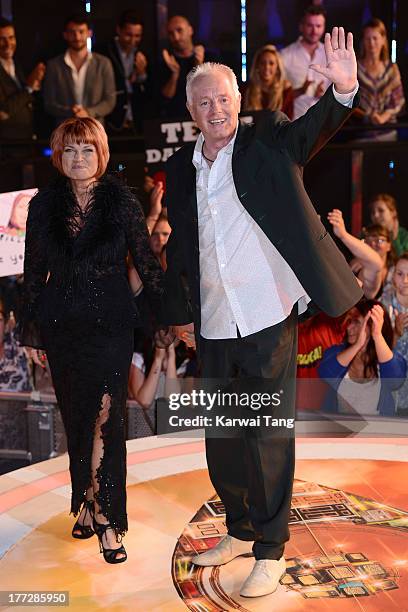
(400, 277)
(379, 243)
(382, 215)
(267, 67)
(354, 326)
(80, 161)
(160, 236)
(373, 42)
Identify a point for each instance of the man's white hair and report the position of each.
(205, 69)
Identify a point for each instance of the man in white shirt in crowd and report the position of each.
(308, 49)
(251, 248)
(79, 83)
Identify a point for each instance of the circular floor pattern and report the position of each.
(167, 483)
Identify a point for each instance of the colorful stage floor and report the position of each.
(348, 549)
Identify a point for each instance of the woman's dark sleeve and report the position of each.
(35, 273)
(145, 262)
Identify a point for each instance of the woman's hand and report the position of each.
(377, 318)
(401, 323)
(156, 197)
(159, 354)
(336, 219)
(363, 336)
(38, 357)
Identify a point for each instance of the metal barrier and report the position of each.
(31, 426)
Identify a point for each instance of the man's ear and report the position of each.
(190, 110)
(239, 102)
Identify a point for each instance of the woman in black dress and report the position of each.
(79, 308)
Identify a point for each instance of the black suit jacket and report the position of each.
(140, 98)
(267, 164)
(17, 103)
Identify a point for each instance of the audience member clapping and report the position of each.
(383, 211)
(364, 369)
(380, 239)
(147, 384)
(79, 83)
(16, 91)
(367, 263)
(395, 300)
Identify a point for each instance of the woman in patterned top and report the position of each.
(382, 96)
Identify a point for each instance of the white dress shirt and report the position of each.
(245, 282)
(78, 76)
(296, 61)
(10, 67)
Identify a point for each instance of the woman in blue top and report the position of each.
(364, 370)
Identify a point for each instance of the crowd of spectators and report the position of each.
(362, 354)
(121, 85)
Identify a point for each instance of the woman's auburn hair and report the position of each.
(253, 95)
(78, 130)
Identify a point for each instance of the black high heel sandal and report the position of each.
(86, 530)
(109, 554)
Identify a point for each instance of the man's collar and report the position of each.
(227, 149)
(70, 63)
(116, 39)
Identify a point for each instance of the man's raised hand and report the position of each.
(341, 63)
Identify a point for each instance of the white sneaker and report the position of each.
(264, 578)
(225, 551)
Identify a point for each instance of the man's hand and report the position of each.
(140, 64)
(186, 334)
(199, 54)
(36, 76)
(336, 219)
(79, 111)
(320, 89)
(341, 64)
(171, 62)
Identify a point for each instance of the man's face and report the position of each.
(7, 42)
(312, 28)
(130, 36)
(180, 34)
(215, 106)
(76, 35)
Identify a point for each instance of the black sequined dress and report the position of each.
(79, 308)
